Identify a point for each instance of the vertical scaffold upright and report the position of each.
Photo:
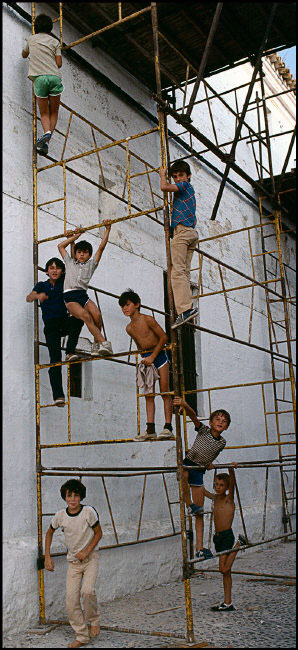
(283, 462)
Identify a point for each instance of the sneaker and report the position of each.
(145, 436)
(223, 608)
(44, 139)
(71, 356)
(166, 434)
(43, 149)
(95, 349)
(105, 348)
(186, 316)
(204, 554)
(242, 540)
(60, 401)
(194, 510)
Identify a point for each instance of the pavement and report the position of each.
(264, 616)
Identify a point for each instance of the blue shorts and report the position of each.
(161, 359)
(77, 295)
(195, 476)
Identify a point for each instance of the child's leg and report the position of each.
(198, 498)
(150, 409)
(54, 102)
(81, 312)
(73, 328)
(88, 589)
(186, 487)
(96, 315)
(183, 240)
(227, 577)
(44, 109)
(73, 606)
(164, 388)
(53, 341)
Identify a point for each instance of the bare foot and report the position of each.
(94, 630)
(77, 644)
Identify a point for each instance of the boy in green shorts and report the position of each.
(44, 71)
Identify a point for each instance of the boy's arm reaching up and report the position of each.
(231, 483)
(104, 240)
(69, 240)
(164, 185)
(208, 494)
(178, 401)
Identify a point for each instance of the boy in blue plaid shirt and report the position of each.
(184, 239)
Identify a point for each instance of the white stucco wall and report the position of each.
(135, 256)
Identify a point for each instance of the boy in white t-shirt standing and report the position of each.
(82, 531)
(44, 70)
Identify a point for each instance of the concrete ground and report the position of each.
(264, 618)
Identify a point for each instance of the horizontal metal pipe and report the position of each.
(251, 383)
(100, 474)
(250, 573)
(127, 217)
(133, 543)
(106, 28)
(242, 548)
(232, 338)
(117, 628)
(243, 275)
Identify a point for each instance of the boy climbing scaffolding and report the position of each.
(78, 273)
(57, 323)
(147, 333)
(82, 531)
(206, 447)
(185, 237)
(44, 71)
(224, 510)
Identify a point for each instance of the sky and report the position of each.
(289, 58)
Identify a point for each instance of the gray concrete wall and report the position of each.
(135, 256)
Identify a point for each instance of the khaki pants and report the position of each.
(182, 248)
(85, 571)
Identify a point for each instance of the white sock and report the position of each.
(228, 605)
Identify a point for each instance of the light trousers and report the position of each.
(183, 245)
(82, 574)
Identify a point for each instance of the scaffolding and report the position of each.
(274, 285)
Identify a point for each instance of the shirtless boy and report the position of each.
(147, 334)
(224, 510)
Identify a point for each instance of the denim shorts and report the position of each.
(77, 295)
(161, 359)
(47, 84)
(195, 476)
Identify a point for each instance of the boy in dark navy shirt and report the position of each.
(185, 237)
(57, 323)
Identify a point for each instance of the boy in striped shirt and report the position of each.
(206, 447)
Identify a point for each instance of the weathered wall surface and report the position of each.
(135, 256)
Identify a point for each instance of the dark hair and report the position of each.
(221, 412)
(58, 263)
(43, 23)
(129, 294)
(224, 477)
(83, 246)
(73, 485)
(180, 166)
